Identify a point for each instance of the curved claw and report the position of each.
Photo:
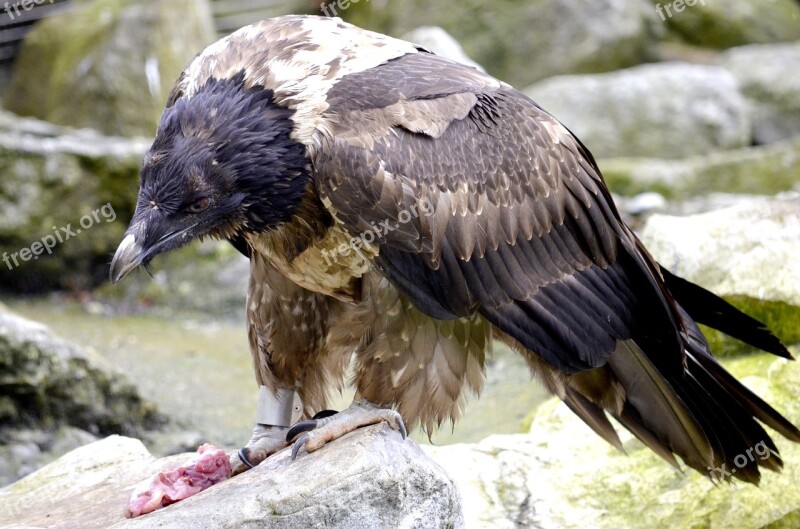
(401, 426)
(324, 413)
(300, 427)
(299, 444)
(244, 457)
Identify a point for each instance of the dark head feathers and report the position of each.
(235, 139)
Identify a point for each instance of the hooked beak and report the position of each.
(148, 235)
(129, 255)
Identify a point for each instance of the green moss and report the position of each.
(781, 318)
(790, 521)
(721, 25)
(763, 170)
(87, 67)
(47, 190)
(520, 41)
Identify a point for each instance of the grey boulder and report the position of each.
(370, 478)
(769, 77)
(661, 110)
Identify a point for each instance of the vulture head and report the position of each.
(222, 164)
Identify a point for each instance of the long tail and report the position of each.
(702, 414)
(709, 309)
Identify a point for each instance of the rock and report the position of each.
(562, 475)
(522, 41)
(762, 170)
(48, 383)
(441, 43)
(768, 76)
(108, 64)
(747, 253)
(717, 24)
(641, 204)
(494, 478)
(664, 110)
(54, 178)
(24, 450)
(368, 479)
(749, 250)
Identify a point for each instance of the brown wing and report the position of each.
(480, 201)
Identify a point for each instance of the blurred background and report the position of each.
(692, 109)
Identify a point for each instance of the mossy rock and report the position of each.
(728, 23)
(51, 383)
(762, 170)
(108, 64)
(522, 41)
(53, 179)
(563, 475)
(599, 487)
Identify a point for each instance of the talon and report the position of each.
(301, 427)
(299, 444)
(401, 426)
(324, 413)
(244, 458)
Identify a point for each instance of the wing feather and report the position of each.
(497, 209)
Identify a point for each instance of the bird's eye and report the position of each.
(199, 205)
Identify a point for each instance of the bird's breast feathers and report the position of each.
(331, 265)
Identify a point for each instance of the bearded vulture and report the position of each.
(405, 211)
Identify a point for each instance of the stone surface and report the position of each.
(522, 41)
(370, 478)
(746, 253)
(108, 64)
(769, 77)
(727, 23)
(50, 387)
(664, 110)
(751, 249)
(53, 177)
(563, 476)
(762, 170)
(23, 450)
(441, 43)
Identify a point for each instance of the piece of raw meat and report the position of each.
(210, 466)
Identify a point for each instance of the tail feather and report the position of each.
(709, 309)
(681, 403)
(653, 407)
(754, 404)
(704, 415)
(594, 417)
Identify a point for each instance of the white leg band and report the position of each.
(282, 408)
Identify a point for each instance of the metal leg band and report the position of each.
(282, 408)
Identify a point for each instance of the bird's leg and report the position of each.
(276, 410)
(266, 440)
(315, 433)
